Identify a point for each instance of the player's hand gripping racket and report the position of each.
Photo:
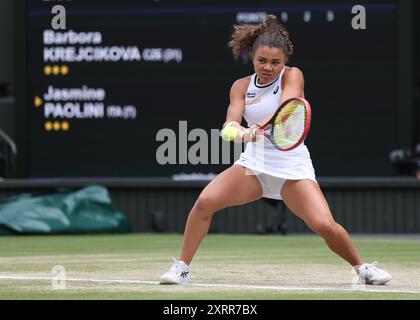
(289, 125)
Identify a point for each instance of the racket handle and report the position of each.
(254, 132)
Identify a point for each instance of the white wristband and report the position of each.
(229, 124)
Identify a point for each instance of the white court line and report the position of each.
(206, 285)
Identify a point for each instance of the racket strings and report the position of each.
(289, 125)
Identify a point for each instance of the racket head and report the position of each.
(290, 124)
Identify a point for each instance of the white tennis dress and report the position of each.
(271, 166)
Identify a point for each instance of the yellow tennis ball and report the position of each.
(229, 133)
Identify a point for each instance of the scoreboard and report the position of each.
(139, 88)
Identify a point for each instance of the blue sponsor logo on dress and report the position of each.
(251, 95)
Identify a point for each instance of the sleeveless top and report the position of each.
(261, 101)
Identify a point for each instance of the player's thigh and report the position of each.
(305, 199)
(234, 186)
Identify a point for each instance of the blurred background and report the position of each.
(84, 105)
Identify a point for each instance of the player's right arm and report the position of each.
(237, 107)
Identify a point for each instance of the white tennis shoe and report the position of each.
(370, 274)
(179, 273)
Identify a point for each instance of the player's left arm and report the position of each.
(293, 84)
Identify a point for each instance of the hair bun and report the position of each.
(271, 19)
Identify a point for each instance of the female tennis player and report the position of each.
(262, 170)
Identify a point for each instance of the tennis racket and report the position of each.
(289, 125)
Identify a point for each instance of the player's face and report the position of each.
(268, 63)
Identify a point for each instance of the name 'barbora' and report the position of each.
(71, 37)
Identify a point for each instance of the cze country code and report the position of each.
(212, 309)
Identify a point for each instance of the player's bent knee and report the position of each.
(325, 229)
(205, 204)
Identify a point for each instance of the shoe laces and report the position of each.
(176, 265)
(370, 267)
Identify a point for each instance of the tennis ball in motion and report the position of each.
(229, 133)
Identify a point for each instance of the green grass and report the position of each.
(291, 261)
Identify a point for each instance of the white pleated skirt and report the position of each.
(273, 167)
